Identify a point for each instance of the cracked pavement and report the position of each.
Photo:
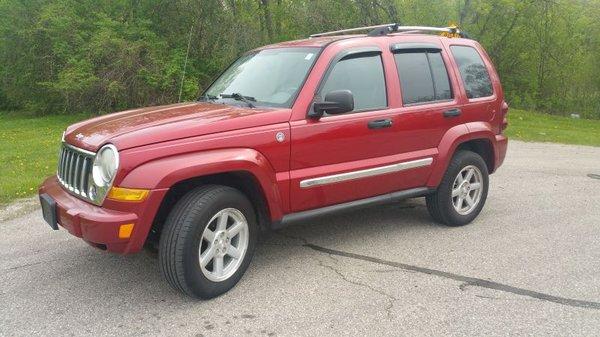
(529, 265)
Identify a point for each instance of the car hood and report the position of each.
(143, 126)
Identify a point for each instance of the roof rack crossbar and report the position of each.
(351, 30)
(394, 27)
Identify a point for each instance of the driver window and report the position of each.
(363, 76)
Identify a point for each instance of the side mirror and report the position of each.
(336, 102)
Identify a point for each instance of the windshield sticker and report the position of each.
(309, 56)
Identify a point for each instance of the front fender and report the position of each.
(166, 172)
(452, 139)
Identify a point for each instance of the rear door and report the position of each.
(430, 98)
(473, 90)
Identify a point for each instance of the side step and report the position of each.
(294, 218)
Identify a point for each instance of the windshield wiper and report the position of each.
(239, 97)
(208, 97)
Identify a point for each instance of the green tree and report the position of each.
(67, 56)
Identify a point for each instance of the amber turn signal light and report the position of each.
(127, 194)
(125, 231)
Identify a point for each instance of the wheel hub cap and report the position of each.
(223, 245)
(467, 190)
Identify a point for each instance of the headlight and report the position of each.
(104, 169)
(105, 165)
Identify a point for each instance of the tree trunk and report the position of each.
(268, 20)
(543, 37)
(462, 14)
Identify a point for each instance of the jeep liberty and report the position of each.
(288, 132)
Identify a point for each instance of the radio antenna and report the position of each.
(187, 54)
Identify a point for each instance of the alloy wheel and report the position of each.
(467, 190)
(223, 245)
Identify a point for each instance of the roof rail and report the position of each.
(385, 29)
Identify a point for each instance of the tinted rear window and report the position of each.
(474, 74)
(439, 73)
(423, 77)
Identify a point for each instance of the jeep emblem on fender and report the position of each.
(280, 136)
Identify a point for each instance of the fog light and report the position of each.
(125, 231)
(127, 194)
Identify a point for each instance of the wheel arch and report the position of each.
(242, 181)
(481, 146)
(476, 137)
(244, 169)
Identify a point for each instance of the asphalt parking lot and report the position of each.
(529, 265)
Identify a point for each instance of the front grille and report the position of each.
(74, 169)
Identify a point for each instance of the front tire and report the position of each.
(208, 241)
(463, 191)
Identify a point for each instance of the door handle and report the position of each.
(452, 113)
(380, 124)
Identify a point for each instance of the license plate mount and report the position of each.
(49, 210)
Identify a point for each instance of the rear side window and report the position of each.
(473, 72)
(423, 77)
(363, 76)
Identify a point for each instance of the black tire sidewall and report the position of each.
(460, 161)
(195, 280)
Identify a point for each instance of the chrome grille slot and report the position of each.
(77, 174)
(63, 162)
(74, 169)
(81, 176)
(61, 158)
(70, 169)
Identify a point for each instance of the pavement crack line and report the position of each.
(26, 265)
(465, 280)
(301, 239)
(391, 299)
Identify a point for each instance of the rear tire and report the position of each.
(208, 241)
(462, 193)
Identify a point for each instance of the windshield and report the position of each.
(270, 77)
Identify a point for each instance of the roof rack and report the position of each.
(389, 28)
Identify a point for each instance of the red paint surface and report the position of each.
(160, 146)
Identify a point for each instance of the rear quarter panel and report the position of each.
(484, 109)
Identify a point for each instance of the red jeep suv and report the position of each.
(288, 132)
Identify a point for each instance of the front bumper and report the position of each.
(99, 226)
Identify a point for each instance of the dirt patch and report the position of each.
(18, 208)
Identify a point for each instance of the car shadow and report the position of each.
(138, 276)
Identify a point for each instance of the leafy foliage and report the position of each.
(66, 56)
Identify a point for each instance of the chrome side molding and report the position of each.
(336, 178)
